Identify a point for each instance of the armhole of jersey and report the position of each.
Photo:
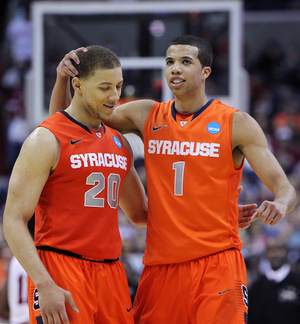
(236, 167)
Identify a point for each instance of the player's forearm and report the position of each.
(61, 95)
(20, 242)
(286, 194)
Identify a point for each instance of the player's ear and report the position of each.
(206, 71)
(77, 85)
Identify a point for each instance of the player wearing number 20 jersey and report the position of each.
(76, 227)
(82, 192)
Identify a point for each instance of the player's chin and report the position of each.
(107, 115)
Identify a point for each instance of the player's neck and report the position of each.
(190, 104)
(81, 116)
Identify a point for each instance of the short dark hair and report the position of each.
(96, 57)
(205, 53)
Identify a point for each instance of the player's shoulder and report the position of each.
(40, 143)
(242, 119)
(40, 136)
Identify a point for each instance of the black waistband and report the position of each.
(72, 254)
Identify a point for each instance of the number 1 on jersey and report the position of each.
(178, 181)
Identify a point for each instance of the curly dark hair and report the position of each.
(96, 57)
(205, 53)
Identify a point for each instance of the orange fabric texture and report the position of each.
(78, 207)
(193, 206)
(99, 290)
(208, 290)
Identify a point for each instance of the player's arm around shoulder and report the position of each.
(133, 200)
(249, 139)
(131, 116)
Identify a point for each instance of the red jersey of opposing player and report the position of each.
(193, 206)
(78, 207)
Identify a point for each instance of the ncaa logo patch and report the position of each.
(213, 128)
(117, 142)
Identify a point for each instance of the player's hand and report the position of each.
(65, 67)
(271, 212)
(52, 303)
(246, 213)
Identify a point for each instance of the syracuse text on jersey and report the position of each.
(108, 160)
(183, 148)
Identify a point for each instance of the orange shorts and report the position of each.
(99, 290)
(208, 290)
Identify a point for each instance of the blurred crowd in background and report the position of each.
(274, 103)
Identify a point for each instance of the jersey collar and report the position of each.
(196, 113)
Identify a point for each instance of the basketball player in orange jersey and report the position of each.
(73, 172)
(194, 154)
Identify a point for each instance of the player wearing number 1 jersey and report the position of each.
(196, 161)
(74, 172)
(194, 151)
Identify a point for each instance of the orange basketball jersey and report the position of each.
(78, 207)
(191, 182)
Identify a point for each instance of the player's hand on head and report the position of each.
(271, 212)
(65, 67)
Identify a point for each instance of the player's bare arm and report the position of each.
(38, 156)
(249, 140)
(133, 198)
(131, 116)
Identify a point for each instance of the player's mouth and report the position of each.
(176, 82)
(109, 106)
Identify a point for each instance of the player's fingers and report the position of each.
(270, 215)
(47, 319)
(249, 207)
(56, 319)
(245, 219)
(254, 217)
(240, 189)
(69, 67)
(263, 211)
(72, 56)
(71, 303)
(244, 225)
(80, 49)
(72, 71)
(64, 318)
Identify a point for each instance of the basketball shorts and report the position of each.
(99, 290)
(209, 290)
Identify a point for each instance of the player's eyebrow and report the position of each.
(183, 57)
(110, 83)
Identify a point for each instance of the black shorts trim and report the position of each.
(72, 254)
